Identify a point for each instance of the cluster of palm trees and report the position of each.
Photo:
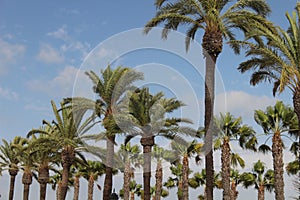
(57, 152)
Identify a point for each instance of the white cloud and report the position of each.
(7, 94)
(60, 86)
(9, 54)
(48, 54)
(60, 33)
(241, 103)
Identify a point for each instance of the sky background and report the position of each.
(45, 46)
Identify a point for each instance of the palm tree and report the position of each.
(276, 60)
(10, 160)
(144, 114)
(68, 134)
(235, 178)
(259, 178)
(131, 158)
(229, 128)
(277, 121)
(160, 154)
(217, 24)
(134, 188)
(110, 88)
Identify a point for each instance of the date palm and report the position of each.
(10, 160)
(276, 121)
(229, 129)
(217, 19)
(259, 178)
(109, 87)
(143, 114)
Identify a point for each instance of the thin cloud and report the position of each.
(48, 54)
(8, 94)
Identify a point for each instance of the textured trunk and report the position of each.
(76, 188)
(261, 192)
(277, 147)
(225, 159)
(68, 156)
(26, 180)
(180, 189)
(296, 102)
(212, 46)
(147, 143)
(109, 167)
(58, 191)
(43, 179)
(158, 184)
(91, 188)
(233, 193)
(131, 195)
(126, 186)
(13, 173)
(185, 177)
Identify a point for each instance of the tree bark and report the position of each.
(261, 192)
(185, 177)
(208, 122)
(180, 189)
(68, 156)
(91, 188)
(13, 173)
(127, 174)
(277, 148)
(147, 143)
(158, 184)
(108, 182)
(26, 180)
(225, 159)
(76, 188)
(296, 102)
(26, 192)
(43, 179)
(234, 193)
(131, 195)
(43, 188)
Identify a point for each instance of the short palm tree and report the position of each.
(235, 179)
(276, 121)
(259, 178)
(134, 188)
(109, 88)
(228, 129)
(10, 160)
(216, 18)
(143, 114)
(131, 158)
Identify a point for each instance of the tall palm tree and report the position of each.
(109, 88)
(276, 121)
(217, 24)
(131, 158)
(143, 115)
(68, 132)
(229, 128)
(10, 160)
(260, 178)
(275, 58)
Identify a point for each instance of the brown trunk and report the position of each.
(212, 46)
(76, 188)
(261, 192)
(127, 176)
(68, 156)
(58, 191)
(13, 173)
(91, 188)
(147, 143)
(225, 159)
(277, 147)
(131, 195)
(185, 177)
(296, 102)
(180, 190)
(233, 193)
(43, 179)
(108, 182)
(26, 180)
(158, 184)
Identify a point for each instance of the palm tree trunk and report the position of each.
(13, 173)
(277, 147)
(234, 193)
(158, 177)
(296, 102)
(131, 195)
(208, 121)
(127, 173)
(91, 188)
(26, 192)
(43, 179)
(185, 177)
(261, 192)
(26, 180)
(180, 190)
(67, 157)
(58, 191)
(108, 182)
(225, 159)
(76, 188)
(147, 143)
(43, 189)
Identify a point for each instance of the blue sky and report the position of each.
(43, 44)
